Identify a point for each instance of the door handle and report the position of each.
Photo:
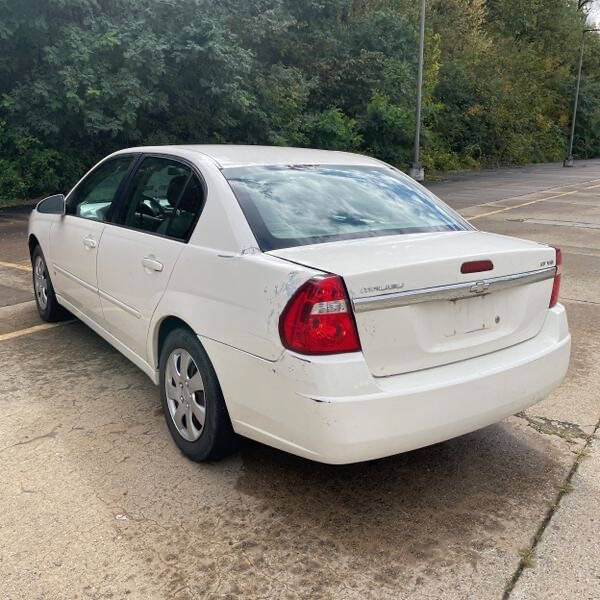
(149, 262)
(89, 242)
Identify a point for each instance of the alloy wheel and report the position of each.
(40, 282)
(184, 389)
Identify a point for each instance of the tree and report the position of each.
(80, 78)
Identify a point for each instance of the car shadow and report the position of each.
(417, 512)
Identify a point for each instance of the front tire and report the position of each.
(192, 400)
(45, 298)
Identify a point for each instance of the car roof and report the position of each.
(225, 155)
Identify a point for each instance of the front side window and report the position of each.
(165, 197)
(93, 197)
(309, 204)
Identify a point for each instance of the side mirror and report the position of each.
(52, 205)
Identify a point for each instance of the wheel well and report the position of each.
(166, 326)
(32, 242)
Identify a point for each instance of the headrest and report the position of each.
(174, 191)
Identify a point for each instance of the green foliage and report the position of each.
(80, 78)
(276, 115)
(387, 129)
(332, 129)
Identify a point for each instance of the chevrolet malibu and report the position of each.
(320, 302)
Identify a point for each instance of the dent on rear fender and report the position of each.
(240, 303)
(273, 295)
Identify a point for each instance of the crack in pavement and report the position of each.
(563, 429)
(583, 301)
(51, 434)
(528, 553)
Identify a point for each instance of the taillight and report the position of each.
(556, 284)
(318, 320)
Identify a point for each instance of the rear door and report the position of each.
(139, 251)
(76, 237)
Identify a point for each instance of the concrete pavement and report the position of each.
(566, 563)
(96, 502)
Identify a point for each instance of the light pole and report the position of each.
(568, 162)
(416, 170)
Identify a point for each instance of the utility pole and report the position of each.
(568, 162)
(416, 171)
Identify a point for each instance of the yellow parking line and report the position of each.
(30, 330)
(550, 189)
(15, 266)
(500, 210)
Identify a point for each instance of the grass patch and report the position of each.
(527, 558)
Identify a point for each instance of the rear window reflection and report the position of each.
(298, 205)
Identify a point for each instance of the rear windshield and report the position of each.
(299, 205)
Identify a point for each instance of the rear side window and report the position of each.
(165, 197)
(298, 205)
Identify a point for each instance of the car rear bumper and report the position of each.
(331, 409)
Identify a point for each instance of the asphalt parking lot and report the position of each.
(97, 502)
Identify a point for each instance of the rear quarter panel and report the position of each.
(234, 300)
(223, 286)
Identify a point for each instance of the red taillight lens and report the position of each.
(556, 284)
(317, 319)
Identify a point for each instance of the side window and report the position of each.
(165, 198)
(93, 197)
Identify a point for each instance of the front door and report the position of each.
(139, 251)
(75, 238)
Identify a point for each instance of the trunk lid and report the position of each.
(415, 309)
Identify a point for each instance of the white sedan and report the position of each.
(320, 302)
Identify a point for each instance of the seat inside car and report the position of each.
(184, 208)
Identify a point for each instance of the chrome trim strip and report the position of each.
(454, 291)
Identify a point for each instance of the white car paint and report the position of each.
(428, 334)
(146, 263)
(73, 247)
(424, 373)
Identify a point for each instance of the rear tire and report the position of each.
(45, 298)
(192, 400)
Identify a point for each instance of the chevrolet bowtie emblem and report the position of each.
(479, 288)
